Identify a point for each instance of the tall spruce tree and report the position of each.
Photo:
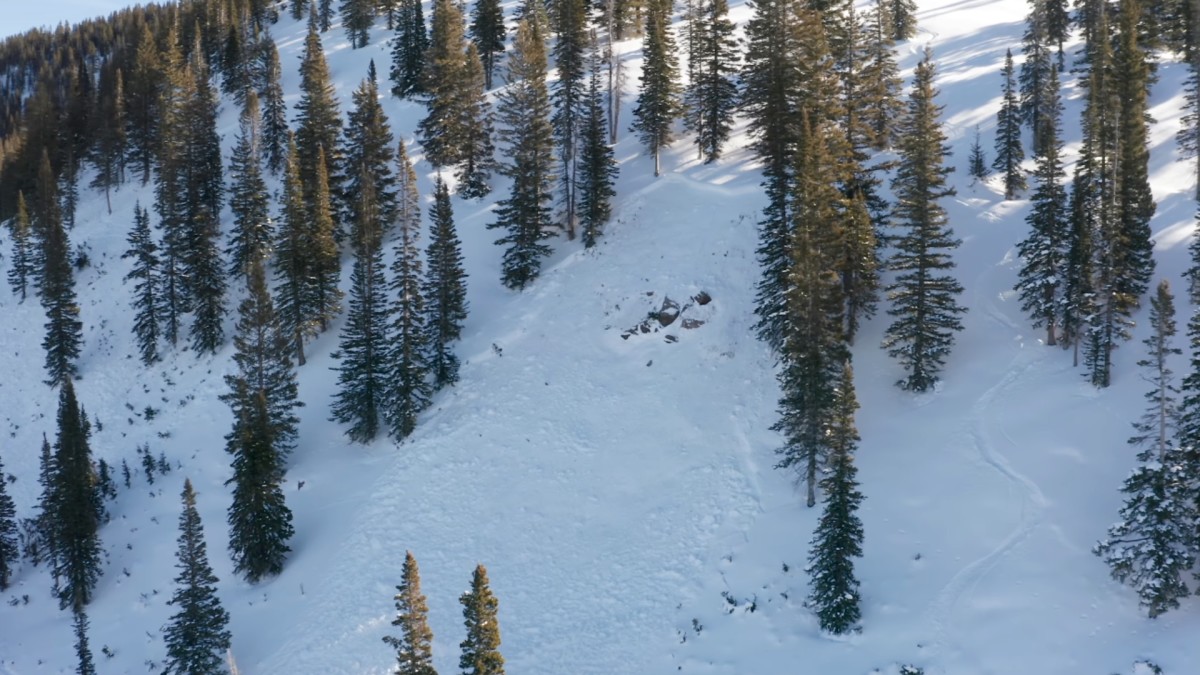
(170, 179)
(658, 103)
(76, 508)
(408, 50)
(1036, 88)
(839, 534)
(1009, 151)
(1135, 198)
(10, 553)
(318, 122)
(568, 22)
(107, 154)
(1148, 548)
(903, 14)
(414, 647)
(252, 232)
(146, 82)
(83, 652)
(357, 18)
(923, 293)
(24, 258)
(147, 302)
(597, 168)
(371, 154)
(274, 110)
(207, 276)
(481, 649)
(444, 289)
(524, 111)
(445, 127)
(711, 96)
(474, 173)
(977, 167)
(488, 34)
(197, 636)
(64, 330)
(881, 85)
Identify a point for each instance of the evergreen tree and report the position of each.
(839, 534)
(64, 330)
(361, 398)
(76, 506)
(481, 649)
(712, 95)
(298, 8)
(275, 132)
(318, 122)
(524, 111)
(923, 294)
(408, 353)
(597, 168)
(357, 18)
(408, 50)
(903, 14)
(977, 167)
(10, 554)
(324, 14)
(170, 179)
(23, 257)
(1148, 547)
(1135, 198)
(881, 85)
(444, 129)
(82, 651)
(208, 284)
(107, 154)
(1009, 152)
(658, 101)
(1035, 85)
(1045, 251)
(444, 290)
(475, 171)
(371, 153)
(146, 86)
(488, 33)
(197, 637)
(147, 303)
(252, 231)
(414, 647)
(568, 20)
(1188, 136)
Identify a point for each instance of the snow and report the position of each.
(621, 491)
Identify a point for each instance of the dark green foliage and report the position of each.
(597, 168)
(77, 508)
(108, 151)
(923, 295)
(481, 650)
(10, 554)
(207, 276)
(1037, 91)
(1009, 151)
(568, 22)
(357, 18)
(408, 50)
(839, 534)
(478, 161)
(299, 7)
(82, 651)
(903, 17)
(146, 80)
(524, 111)
(880, 80)
(450, 116)
(42, 545)
(23, 264)
(1149, 547)
(488, 33)
(658, 101)
(977, 167)
(197, 637)
(414, 647)
(371, 154)
(322, 14)
(252, 233)
(1134, 198)
(275, 133)
(361, 398)
(318, 122)
(147, 303)
(170, 180)
(712, 95)
(444, 289)
(64, 330)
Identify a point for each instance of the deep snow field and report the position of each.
(621, 491)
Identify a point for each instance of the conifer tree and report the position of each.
(274, 110)
(408, 50)
(444, 289)
(880, 86)
(46, 216)
(299, 8)
(23, 256)
(252, 231)
(147, 303)
(977, 167)
(82, 651)
(203, 195)
(903, 14)
(357, 18)
(41, 546)
(1148, 548)
(1035, 86)
(597, 168)
(371, 153)
(324, 14)
(488, 34)
(170, 179)
(408, 353)
(658, 101)
(839, 534)
(146, 82)
(76, 508)
(524, 111)
(481, 650)
(568, 22)
(10, 554)
(712, 95)
(444, 128)
(197, 637)
(1009, 151)
(318, 121)
(64, 330)
(107, 154)
(361, 398)
(474, 173)
(923, 293)
(1135, 198)
(1045, 251)
(414, 647)
(207, 276)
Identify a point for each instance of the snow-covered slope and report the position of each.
(620, 489)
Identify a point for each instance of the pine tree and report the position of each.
(881, 85)
(318, 122)
(839, 534)
(488, 34)
(1188, 136)
(444, 290)
(524, 111)
(658, 101)
(407, 354)
(414, 647)
(475, 170)
(903, 14)
(1148, 547)
(208, 284)
(357, 18)
(1135, 198)
(82, 651)
(197, 637)
(274, 110)
(597, 168)
(1035, 85)
(977, 167)
(361, 398)
(23, 257)
(146, 82)
(147, 303)
(712, 96)
(1044, 252)
(1009, 152)
(10, 554)
(923, 294)
(481, 649)
(64, 330)
(371, 154)
(408, 50)
(170, 179)
(107, 154)
(568, 21)
(76, 508)
(443, 130)
(252, 231)
(323, 10)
